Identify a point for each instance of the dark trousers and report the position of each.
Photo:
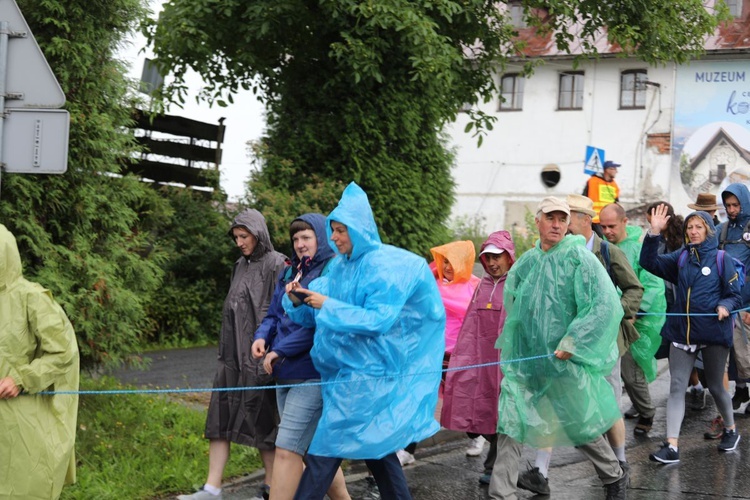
(489, 462)
(320, 471)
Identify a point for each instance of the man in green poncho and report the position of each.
(563, 307)
(638, 364)
(38, 351)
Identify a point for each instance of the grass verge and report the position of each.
(142, 446)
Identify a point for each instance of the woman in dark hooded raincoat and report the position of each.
(706, 294)
(244, 417)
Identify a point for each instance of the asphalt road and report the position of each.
(442, 471)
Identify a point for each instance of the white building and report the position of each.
(650, 119)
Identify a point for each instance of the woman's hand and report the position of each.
(291, 286)
(313, 299)
(271, 358)
(8, 388)
(258, 349)
(564, 355)
(722, 312)
(659, 219)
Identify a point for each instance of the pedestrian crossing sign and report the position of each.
(594, 161)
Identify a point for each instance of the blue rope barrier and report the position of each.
(287, 386)
(643, 313)
(264, 387)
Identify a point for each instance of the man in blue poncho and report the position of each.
(378, 347)
(563, 312)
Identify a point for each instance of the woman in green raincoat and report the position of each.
(38, 352)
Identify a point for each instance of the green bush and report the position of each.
(186, 309)
(87, 235)
(140, 446)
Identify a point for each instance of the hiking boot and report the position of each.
(716, 430)
(666, 455)
(697, 398)
(729, 440)
(201, 494)
(631, 413)
(533, 480)
(405, 458)
(619, 489)
(644, 425)
(476, 447)
(740, 400)
(485, 478)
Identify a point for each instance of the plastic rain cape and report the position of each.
(457, 294)
(38, 350)
(559, 299)
(383, 320)
(654, 301)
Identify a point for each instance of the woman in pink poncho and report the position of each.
(452, 266)
(470, 396)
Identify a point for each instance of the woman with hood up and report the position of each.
(379, 343)
(243, 417)
(707, 290)
(38, 352)
(285, 347)
(471, 396)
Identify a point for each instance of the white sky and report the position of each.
(244, 119)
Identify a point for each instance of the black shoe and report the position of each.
(631, 413)
(643, 426)
(665, 455)
(619, 489)
(741, 399)
(729, 440)
(533, 480)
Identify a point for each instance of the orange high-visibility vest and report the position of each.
(602, 193)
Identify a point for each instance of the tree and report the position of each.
(361, 90)
(86, 235)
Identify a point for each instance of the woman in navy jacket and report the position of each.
(286, 347)
(705, 297)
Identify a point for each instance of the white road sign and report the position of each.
(30, 82)
(35, 141)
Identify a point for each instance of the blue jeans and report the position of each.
(300, 408)
(320, 471)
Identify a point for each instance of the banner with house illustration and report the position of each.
(711, 143)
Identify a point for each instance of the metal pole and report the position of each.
(4, 33)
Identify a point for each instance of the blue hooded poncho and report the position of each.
(382, 322)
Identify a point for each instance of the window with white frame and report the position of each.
(516, 14)
(633, 89)
(511, 92)
(735, 7)
(570, 95)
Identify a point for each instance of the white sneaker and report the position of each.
(476, 447)
(201, 494)
(405, 457)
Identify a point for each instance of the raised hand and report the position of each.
(659, 219)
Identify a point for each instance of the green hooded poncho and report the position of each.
(38, 351)
(561, 299)
(654, 301)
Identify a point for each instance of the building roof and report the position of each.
(731, 36)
